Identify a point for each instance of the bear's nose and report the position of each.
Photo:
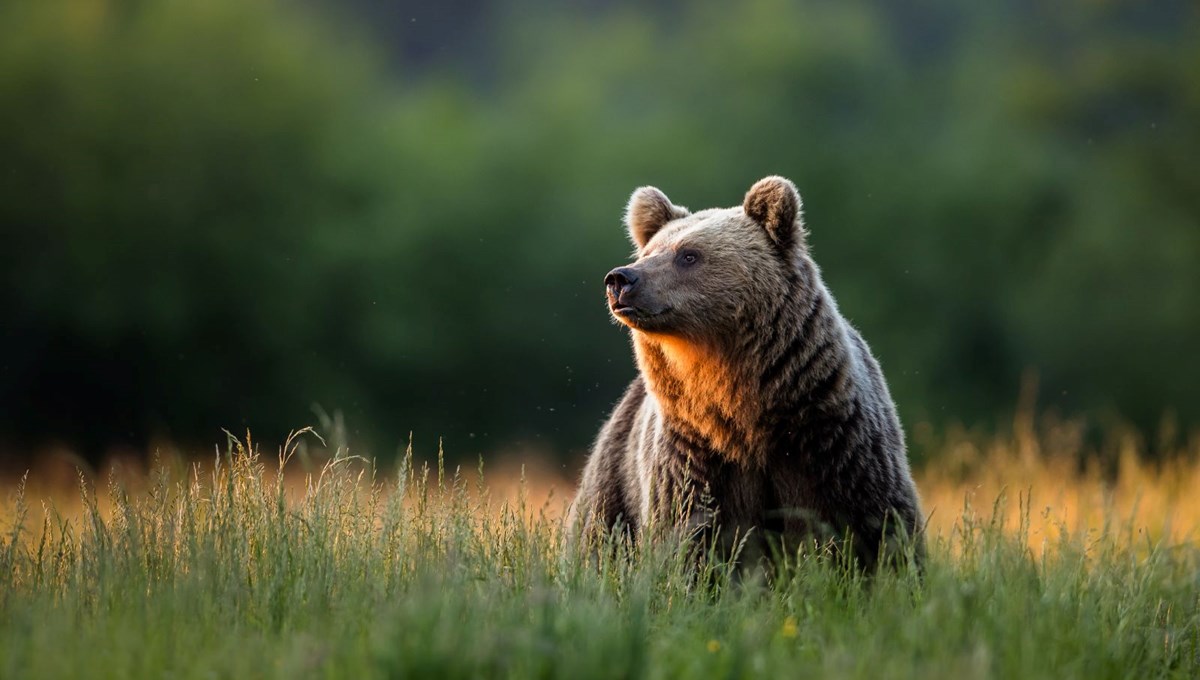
(620, 280)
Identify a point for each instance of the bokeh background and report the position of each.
(397, 215)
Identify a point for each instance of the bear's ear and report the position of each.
(774, 203)
(648, 210)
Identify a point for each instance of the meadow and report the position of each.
(265, 562)
(218, 211)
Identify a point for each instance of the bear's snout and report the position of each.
(621, 285)
(619, 282)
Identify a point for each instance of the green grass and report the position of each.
(420, 575)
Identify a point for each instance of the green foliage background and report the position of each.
(219, 213)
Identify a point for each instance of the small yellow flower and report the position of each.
(714, 646)
(789, 627)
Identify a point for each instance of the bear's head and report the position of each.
(700, 277)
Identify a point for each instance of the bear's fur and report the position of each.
(759, 411)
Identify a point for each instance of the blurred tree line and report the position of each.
(218, 213)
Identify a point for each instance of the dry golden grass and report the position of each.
(1045, 469)
(1064, 484)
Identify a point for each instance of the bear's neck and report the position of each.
(733, 401)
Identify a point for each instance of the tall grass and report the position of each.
(234, 571)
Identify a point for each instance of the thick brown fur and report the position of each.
(759, 411)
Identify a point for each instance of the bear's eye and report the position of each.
(687, 258)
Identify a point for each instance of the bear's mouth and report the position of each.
(630, 313)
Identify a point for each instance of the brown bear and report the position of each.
(759, 411)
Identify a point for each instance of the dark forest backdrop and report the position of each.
(218, 213)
